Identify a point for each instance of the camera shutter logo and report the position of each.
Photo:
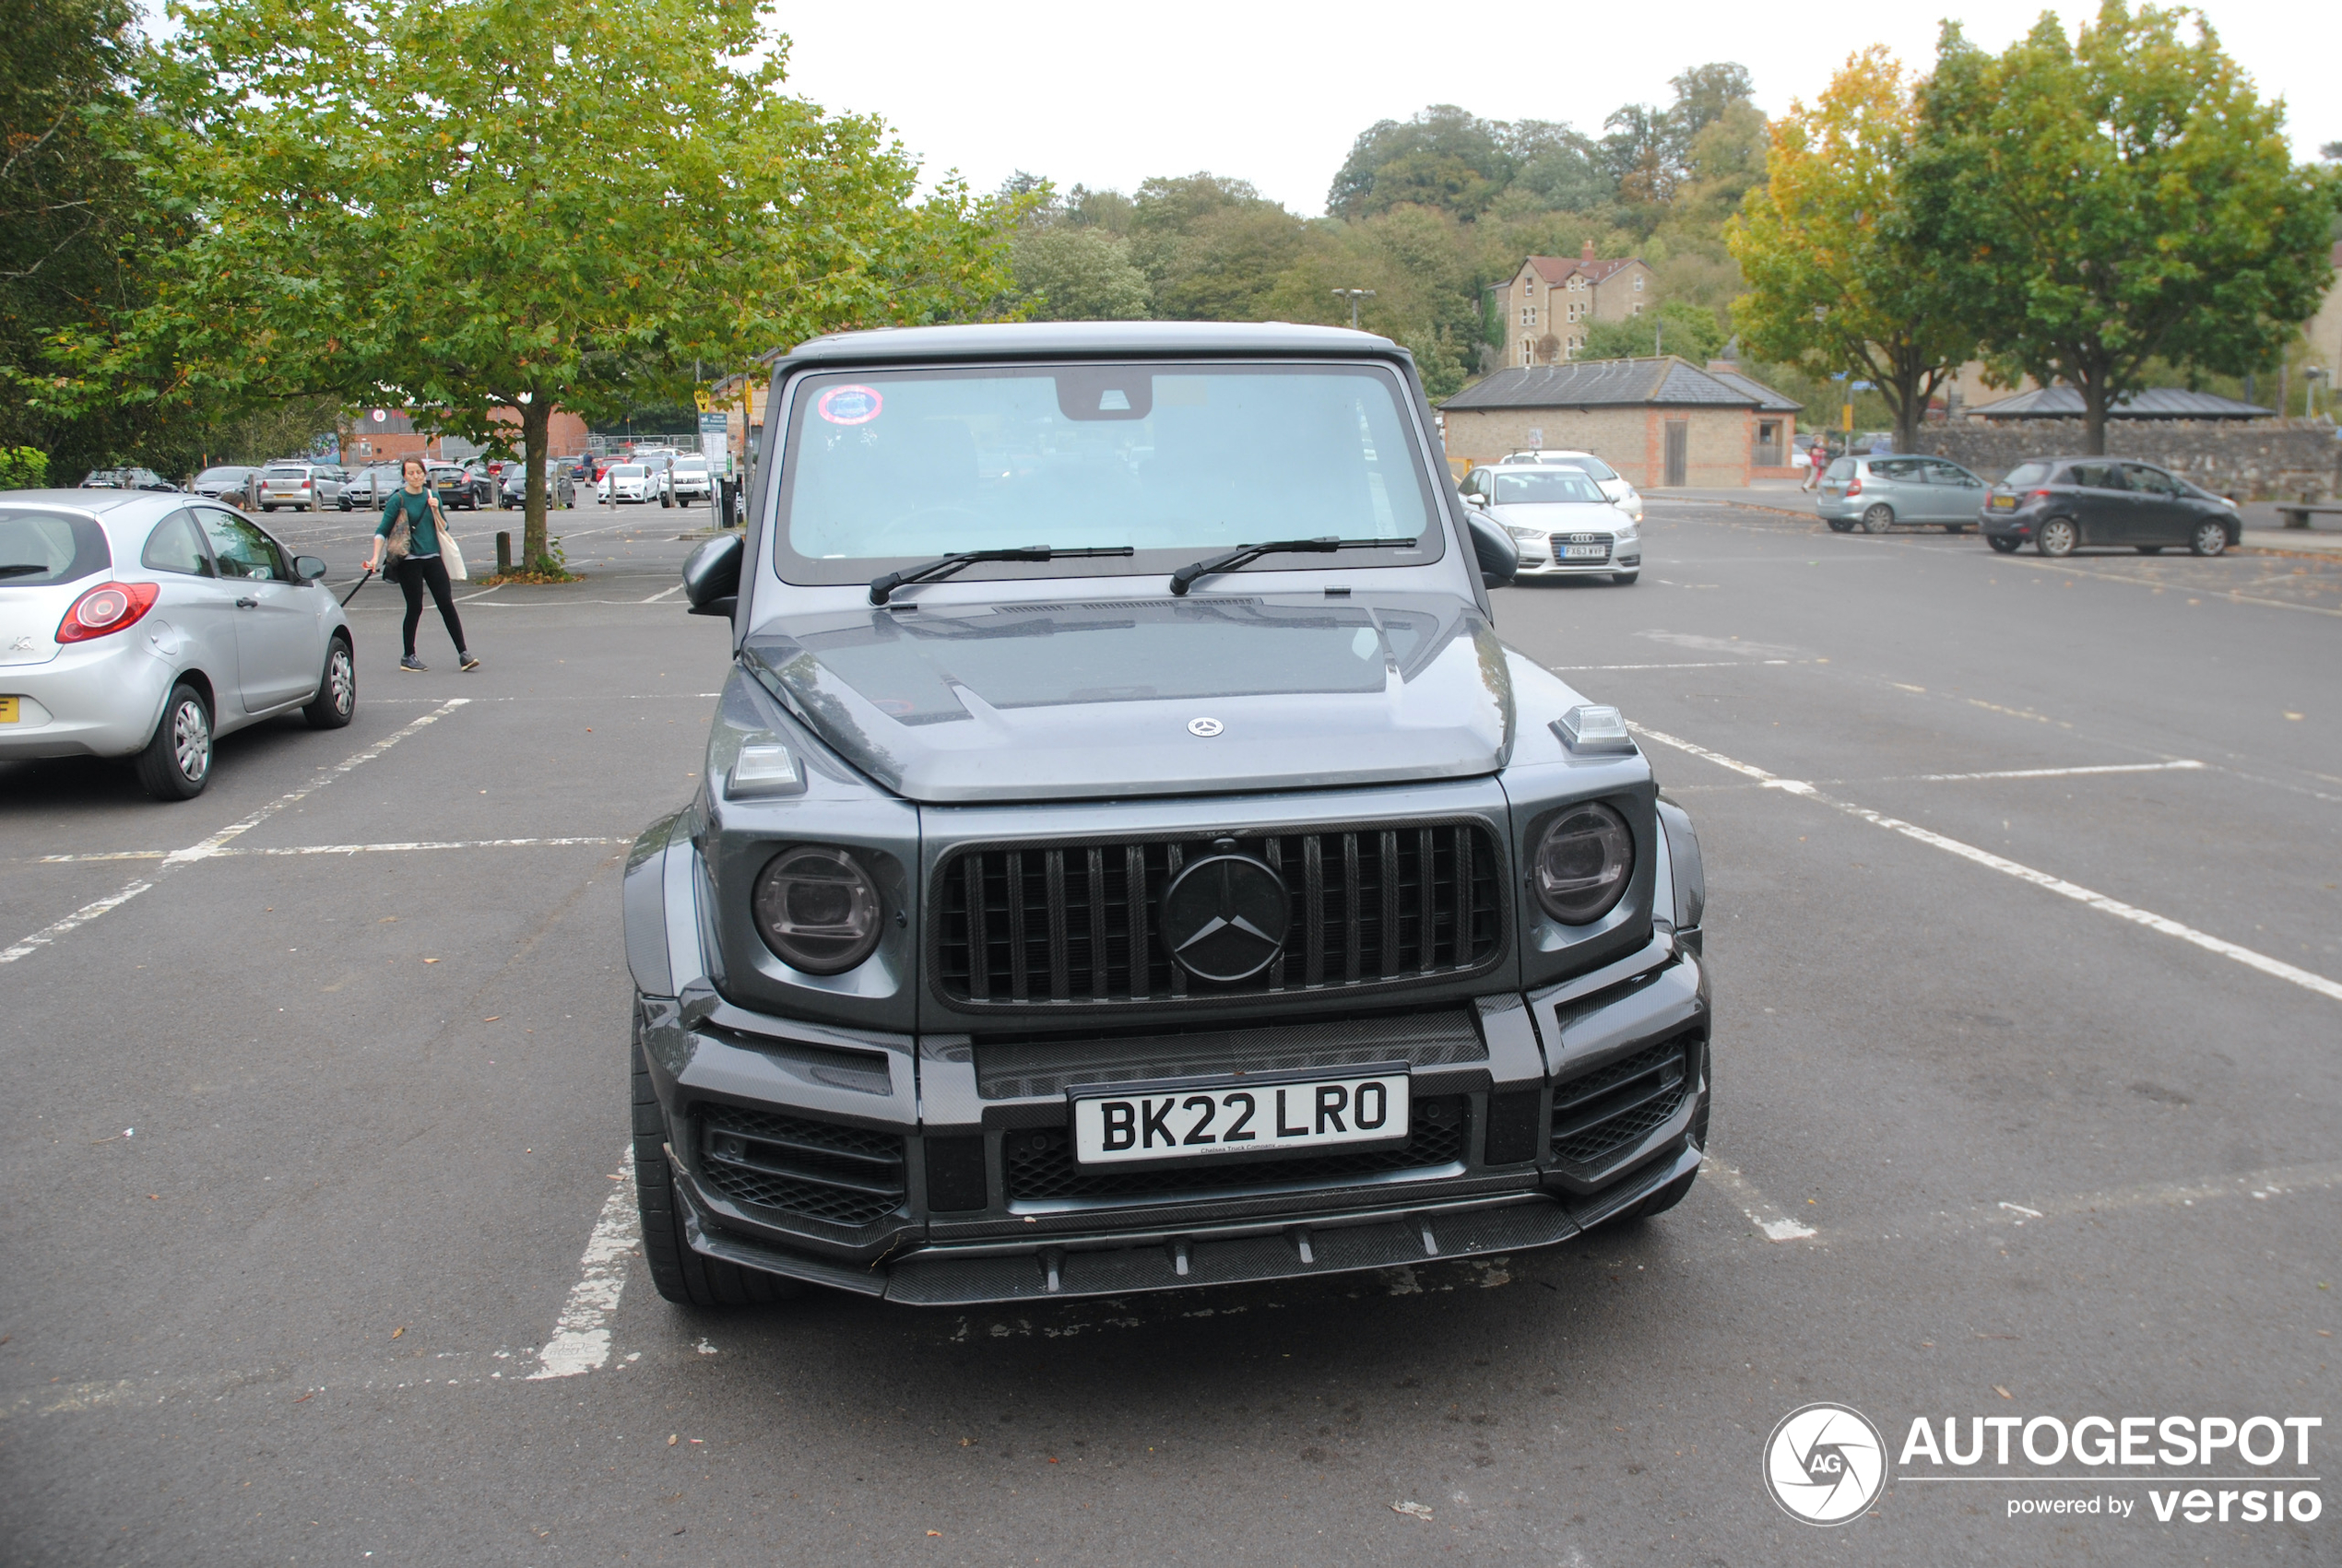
(1825, 1464)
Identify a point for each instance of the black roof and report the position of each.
(2155, 403)
(1598, 384)
(1083, 338)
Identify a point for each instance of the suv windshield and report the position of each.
(49, 547)
(1177, 461)
(1552, 486)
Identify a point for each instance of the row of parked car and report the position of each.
(2056, 504)
(663, 473)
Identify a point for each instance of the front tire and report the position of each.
(1878, 519)
(2209, 539)
(176, 763)
(336, 699)
(2057, 538)
(679, 1273)
(1625, 579)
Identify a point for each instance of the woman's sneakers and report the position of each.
(468, 661)
(413, 666)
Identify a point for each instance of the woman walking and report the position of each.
(410, 534)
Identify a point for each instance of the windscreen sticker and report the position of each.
(850, 405)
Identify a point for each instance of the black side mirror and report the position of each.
(1500, 556)
(712, 577)
(307, 569)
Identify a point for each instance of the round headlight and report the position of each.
(817, 910)
(1583, 863)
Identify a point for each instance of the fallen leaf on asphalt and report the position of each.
(492, 1018)
(2003, 1391)
(306, 1397)
(431, 960)
(935, 1532)
(397, 1331)
(155, 1195)
(672, 1439)
(1413, 1511)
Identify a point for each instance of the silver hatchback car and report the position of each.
(144, 626)
(1879, 492)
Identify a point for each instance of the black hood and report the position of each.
(1039, 701)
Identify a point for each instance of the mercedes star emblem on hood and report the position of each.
(1205, 728)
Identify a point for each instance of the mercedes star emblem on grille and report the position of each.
(1205, 728)
(1225, 917)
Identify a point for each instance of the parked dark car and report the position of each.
(512, 488)
(1207, 897)
(231, 482)
(453, 487)
(2062, 504)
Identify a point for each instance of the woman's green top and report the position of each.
(422, 539)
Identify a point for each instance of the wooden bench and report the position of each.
(2298, 515)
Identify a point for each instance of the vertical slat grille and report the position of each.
(1050, 926)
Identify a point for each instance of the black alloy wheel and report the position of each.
(2209, 539)
(2004, 544)
(2057, 537)
(1878, 519)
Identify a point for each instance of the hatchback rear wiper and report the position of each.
(1185, 577)
(881, 588)
(19, 569)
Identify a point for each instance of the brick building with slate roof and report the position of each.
(1663, 422)
(1552, 300)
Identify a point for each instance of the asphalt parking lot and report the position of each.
(2026, 931)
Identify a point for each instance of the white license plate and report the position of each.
(1584, 552)
(1187, 1124)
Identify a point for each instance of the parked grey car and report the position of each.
(368, 487)
(1879, 492)
(513, 488)
(231, 482)
(145, 626)
(1140, 867)
(305, 487)
(2063, 504)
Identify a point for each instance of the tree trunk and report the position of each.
(2093, 390)
(535, 425)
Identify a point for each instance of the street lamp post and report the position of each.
(1354, 296)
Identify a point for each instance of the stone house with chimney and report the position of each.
(1552, 300)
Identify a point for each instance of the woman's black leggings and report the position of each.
(416, 573)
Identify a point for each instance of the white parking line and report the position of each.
(2058, 884)
(1717, 664)
(337, 849)
(2182, 766)
(204, 848)
(663, 593)
(1769, 1220)
(580, 1342)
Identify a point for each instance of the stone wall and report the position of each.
(2251, 460)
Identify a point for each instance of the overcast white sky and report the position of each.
(1107, 94)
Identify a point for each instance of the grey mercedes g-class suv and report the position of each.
(1126, 859)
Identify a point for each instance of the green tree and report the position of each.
(1067, 272)
(485, 206)
(2113, 199)
(1443, 157)
(1837, 281)
(1676, 327)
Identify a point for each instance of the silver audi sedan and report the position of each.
(145, 626)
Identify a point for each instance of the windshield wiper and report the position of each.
(1185, 577)
(15, 569)
(881, 588)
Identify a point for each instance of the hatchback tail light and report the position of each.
(1853, 486)
(2040, 495)
(108, 607)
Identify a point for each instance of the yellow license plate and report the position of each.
(7, 709)
(2004, 502)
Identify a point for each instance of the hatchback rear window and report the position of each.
(1841, 469)
(1594, 466)
(2026, 474)
(38, 547)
